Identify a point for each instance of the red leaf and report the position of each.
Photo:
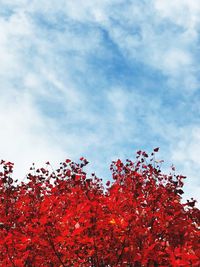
(108, 183)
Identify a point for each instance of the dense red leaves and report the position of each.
(64, 218)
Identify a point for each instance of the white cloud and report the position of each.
(146, 32)
(182, 12)
(185, 152)
(119, 101)
(188, 148)
(24, 138)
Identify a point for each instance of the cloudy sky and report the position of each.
(100, 79)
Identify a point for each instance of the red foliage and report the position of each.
(64, 218)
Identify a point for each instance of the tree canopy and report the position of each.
(67, 218)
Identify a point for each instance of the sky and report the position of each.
(101, 79)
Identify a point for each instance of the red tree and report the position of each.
(63, 218)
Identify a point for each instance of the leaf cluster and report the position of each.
(63, 218)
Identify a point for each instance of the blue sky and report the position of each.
(100, 79)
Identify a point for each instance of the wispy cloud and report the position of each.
(100, 79)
